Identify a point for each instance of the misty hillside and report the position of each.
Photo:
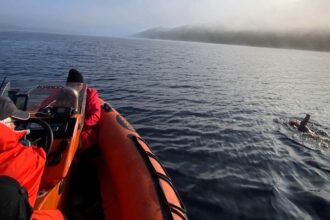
(9, 27)
(311, 40)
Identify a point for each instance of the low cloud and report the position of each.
(296, 39)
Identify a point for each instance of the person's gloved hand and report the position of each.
(22, 134)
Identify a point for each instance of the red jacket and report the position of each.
(25, 164)
(92, 117)
(93, 108)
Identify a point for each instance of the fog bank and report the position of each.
(293, 39)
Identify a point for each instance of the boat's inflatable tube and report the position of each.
(134, 184)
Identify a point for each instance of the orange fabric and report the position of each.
(133, 195)
(47, 215)
(20, 134)
(25, 164)
(129, 196)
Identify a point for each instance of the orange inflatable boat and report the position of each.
(122, 178)
(140, 187)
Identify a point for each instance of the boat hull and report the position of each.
(134, 184)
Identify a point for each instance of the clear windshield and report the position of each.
(56, 94)
(52, 96)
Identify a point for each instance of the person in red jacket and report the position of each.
(92, 112)
(24, 164)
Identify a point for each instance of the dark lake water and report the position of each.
(216, 115)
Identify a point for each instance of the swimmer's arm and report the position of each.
(304, 122)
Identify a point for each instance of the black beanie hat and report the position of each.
(75, 76)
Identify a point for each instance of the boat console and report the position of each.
(57, 118)
(57, 105)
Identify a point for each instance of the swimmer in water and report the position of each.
(301, 125)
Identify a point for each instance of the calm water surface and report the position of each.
(216, 115)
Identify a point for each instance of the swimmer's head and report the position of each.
(294, 123)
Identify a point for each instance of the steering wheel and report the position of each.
(43, 138)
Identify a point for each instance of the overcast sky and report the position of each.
(126, 17)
